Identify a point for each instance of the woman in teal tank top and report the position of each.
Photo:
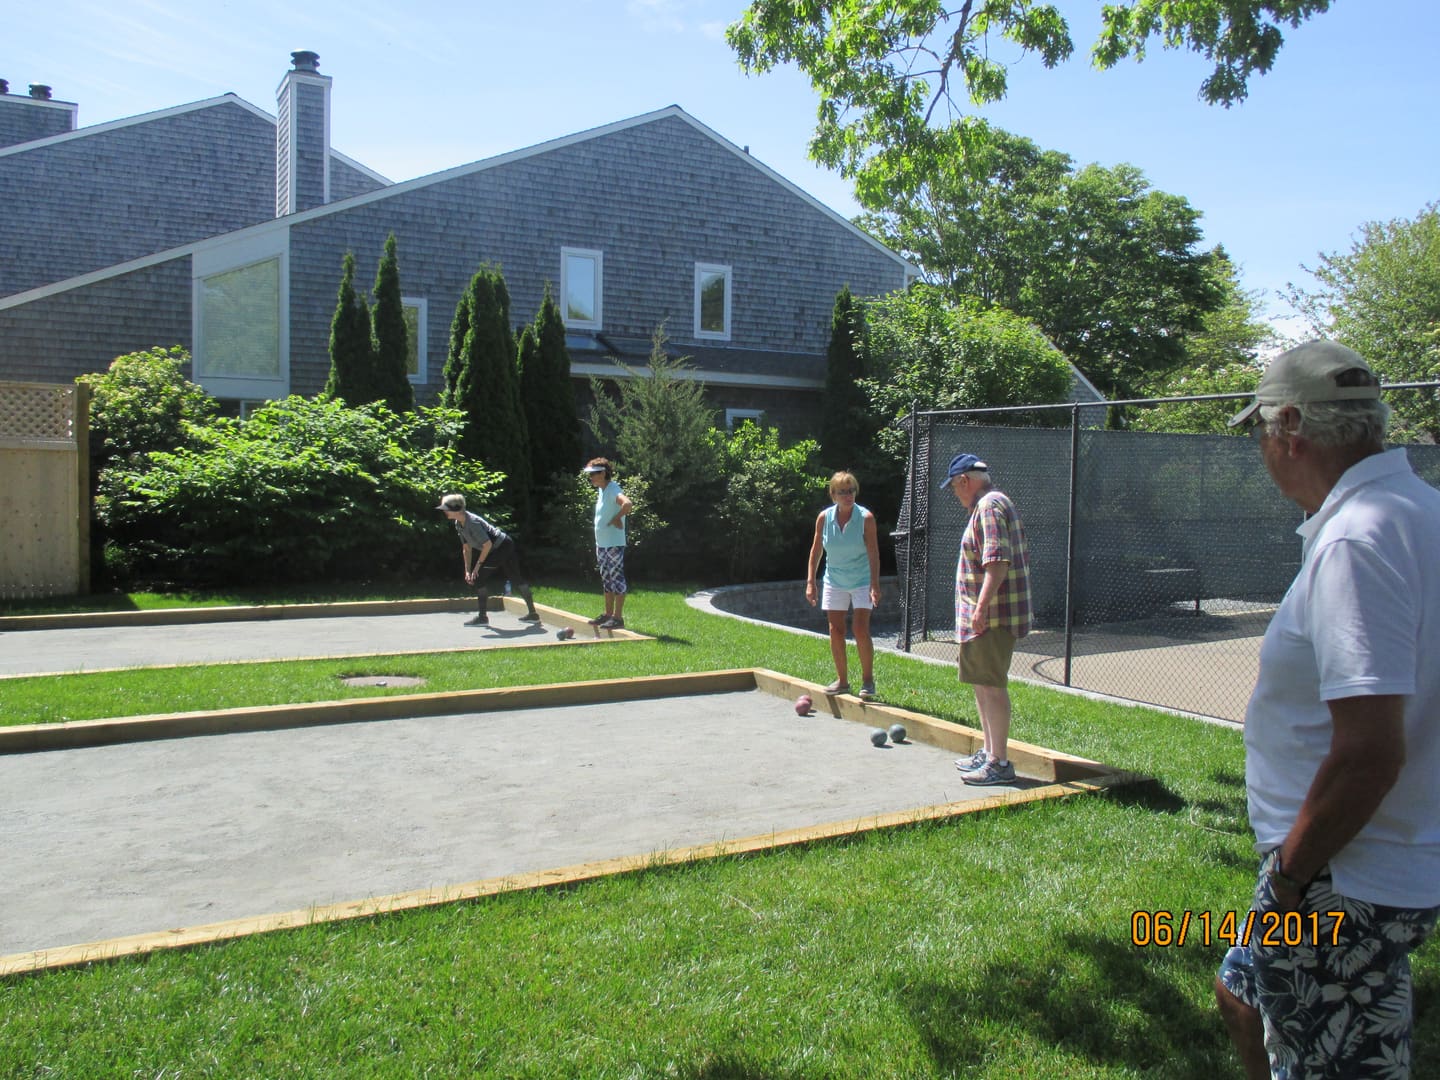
(846, 534)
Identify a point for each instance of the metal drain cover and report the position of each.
(382, 680)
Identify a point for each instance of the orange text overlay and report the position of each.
(1268, 928)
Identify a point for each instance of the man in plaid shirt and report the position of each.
(992, 610)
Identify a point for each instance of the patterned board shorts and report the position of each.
(1334, 994)
(611, 561)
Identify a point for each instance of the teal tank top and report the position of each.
(847, 565)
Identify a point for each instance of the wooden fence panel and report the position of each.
(44, 490)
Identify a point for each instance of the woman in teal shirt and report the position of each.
(611, 508)
(845, 532)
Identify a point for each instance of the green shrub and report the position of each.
(767, 517)
(303, 490)
(566, 541)
(143, 402)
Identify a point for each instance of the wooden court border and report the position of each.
(1061, 775)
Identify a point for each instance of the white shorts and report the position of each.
(833, 599)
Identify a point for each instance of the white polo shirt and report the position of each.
(1361, 618)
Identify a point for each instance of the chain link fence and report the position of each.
(1156, 560)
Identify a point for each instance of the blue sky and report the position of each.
(1340, 133)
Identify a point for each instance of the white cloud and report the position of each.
(659, 15)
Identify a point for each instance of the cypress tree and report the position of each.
(351, 358)
(390, 339)
(547, 394)
(455, 358)
(487, 387)
(846, 430)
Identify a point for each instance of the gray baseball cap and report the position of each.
(1307, 374)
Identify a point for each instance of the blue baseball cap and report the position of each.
(963, 463)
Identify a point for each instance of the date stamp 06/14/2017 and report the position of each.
(1165, 929)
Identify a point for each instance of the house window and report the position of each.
(240, 322)
(581, 278)
(416, 318)
(712, 301)
(735, 417)
(240, 300)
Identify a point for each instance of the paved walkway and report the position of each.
(1206, 664)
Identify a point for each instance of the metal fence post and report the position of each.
(1070, 542)
(910, 533)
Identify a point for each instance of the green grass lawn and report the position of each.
(996, 945)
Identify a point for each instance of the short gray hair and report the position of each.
(1333, 423)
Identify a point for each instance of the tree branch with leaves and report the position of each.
(891, 73)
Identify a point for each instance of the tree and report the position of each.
(979, 218)
(1235, 331)
(352, 356)
(1200, 417)
(661, 426)
(455, 355)
(1135, 285)
(482, 380)
(390, 339)
(846, 427)
(547, 394)
(1382, 298)
(1104, 264)
(889, 75)
(659, 423)
(954, 355)
(1222, 357)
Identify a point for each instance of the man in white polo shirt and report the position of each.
(1342, 738)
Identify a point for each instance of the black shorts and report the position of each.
(503, 560)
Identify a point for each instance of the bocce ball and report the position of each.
(803, 705)
(897, 732)
(878, 736)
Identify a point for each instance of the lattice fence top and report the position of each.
(40, 412)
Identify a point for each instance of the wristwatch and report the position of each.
(1277, 875)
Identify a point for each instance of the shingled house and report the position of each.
(221, 228)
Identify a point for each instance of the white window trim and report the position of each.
(422, 334)
(701, 269)
(598, 257)
(735, 417)
(224, 258)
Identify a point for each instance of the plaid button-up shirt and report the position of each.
(993, 534)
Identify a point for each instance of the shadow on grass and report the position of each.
(667, 639)
(731, 1066)
(64, 605)
(1151, 795)
(1127, 1015)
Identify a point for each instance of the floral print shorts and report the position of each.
(1334, 993)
